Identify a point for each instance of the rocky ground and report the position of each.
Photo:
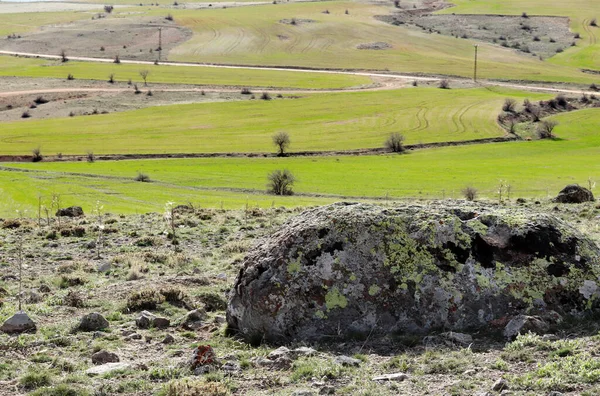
(160, 328)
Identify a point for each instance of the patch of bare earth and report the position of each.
(541, 36)
(134, 38)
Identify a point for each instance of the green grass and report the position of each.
(315, 122)
(30, 21)
(580, 13)
(533, 169)
(254, 35)
(27, 67)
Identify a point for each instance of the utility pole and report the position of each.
(159, 42)
(475, 68)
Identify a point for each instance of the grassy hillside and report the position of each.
(337, 121)
(26, 67)
(533, 169)
(256, 35)
(30, 21)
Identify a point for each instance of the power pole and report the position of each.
(159, 42)
(475, 68)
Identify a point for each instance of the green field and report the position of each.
(255, 35)
(581, 12)
(28, 67)
(336, 121)
(29, 21)
(533, 169)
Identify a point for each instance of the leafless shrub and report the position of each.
(282, 141)
(509, 105)
(281, 182)
(545, 129)
(470, 193)
(395, 143)
(444, 84)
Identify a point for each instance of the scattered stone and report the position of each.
(574, 193)
(193, 320)
(500, 385)
(279, 352)
(103, 357)
(147, 320)
(134, 336)
(470, 372)
(303, 392)
(451, 252)
(169, 339)
(347, 361)
(522, 324)
(555, 393)
(71, 211)
(457, 338)
(18, 323)
(220, 319)
(44, 288)
(103, 266)
(107, 368)
(391, 377)
(93, 322)
(303, 351)
(221, 276)
(231, 367)
(281, 363)
(203, 355)
(550, 337)
(148, 339)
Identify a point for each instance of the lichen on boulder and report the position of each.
(356, 269)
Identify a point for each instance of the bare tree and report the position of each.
(282, 141)
(63, 56)
(144, 74)
(509, 105)
(545, 129)
(470, 193)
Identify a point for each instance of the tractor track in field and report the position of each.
(589, 31)
(333, 153)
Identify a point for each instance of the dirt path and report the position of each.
(387, 85)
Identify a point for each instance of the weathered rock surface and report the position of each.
(522, 324)
(102, 357)
(18, 323)
(574, 193)
(147, 320)
(107, 368)
(92, 322)
(363, 269)
(71, 211)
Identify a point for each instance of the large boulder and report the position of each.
(357, 269)
(18, 323)
(574, 193)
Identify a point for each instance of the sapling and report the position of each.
(169, 217)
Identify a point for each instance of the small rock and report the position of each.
(347, 361)
(555, 393)
(161, 323)
(92, 322)
(134, 336)
(169, 339)
(220, 319)
(279, 352)
(107, 368)
(203, 355)
(521, 324)
(281, 363)
(457, 338)
(574, 193)
(72, 211)
(193, 319)
(469, 373)
(391, 377)
(303, 351)
(148, 339)
(550, 337)
(303, 392)
(147, 320)
(44, 288)
(18, 323)
(231, 367)
(221, 276)
(104, 266)
(500, 385)
(103, 357)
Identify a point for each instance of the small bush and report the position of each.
(169, 17)
(108, 9)
(36, 155)
(281, 182)
(90, 157)
(444, 84)
(70, 77)
(246, 91)
(470, 193)
(546, 128)
(395, 143)
(509, 105)
(594, 87)
(63, 56)
(40, 100)
(265, 96)
(25, 114)
(142, 177)
(35, 378)
(117, 59)
(111, 78)
(145, 299)
(524, 15)
(212, 301)
(594, 22)
(561, 100)
(149, 93)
